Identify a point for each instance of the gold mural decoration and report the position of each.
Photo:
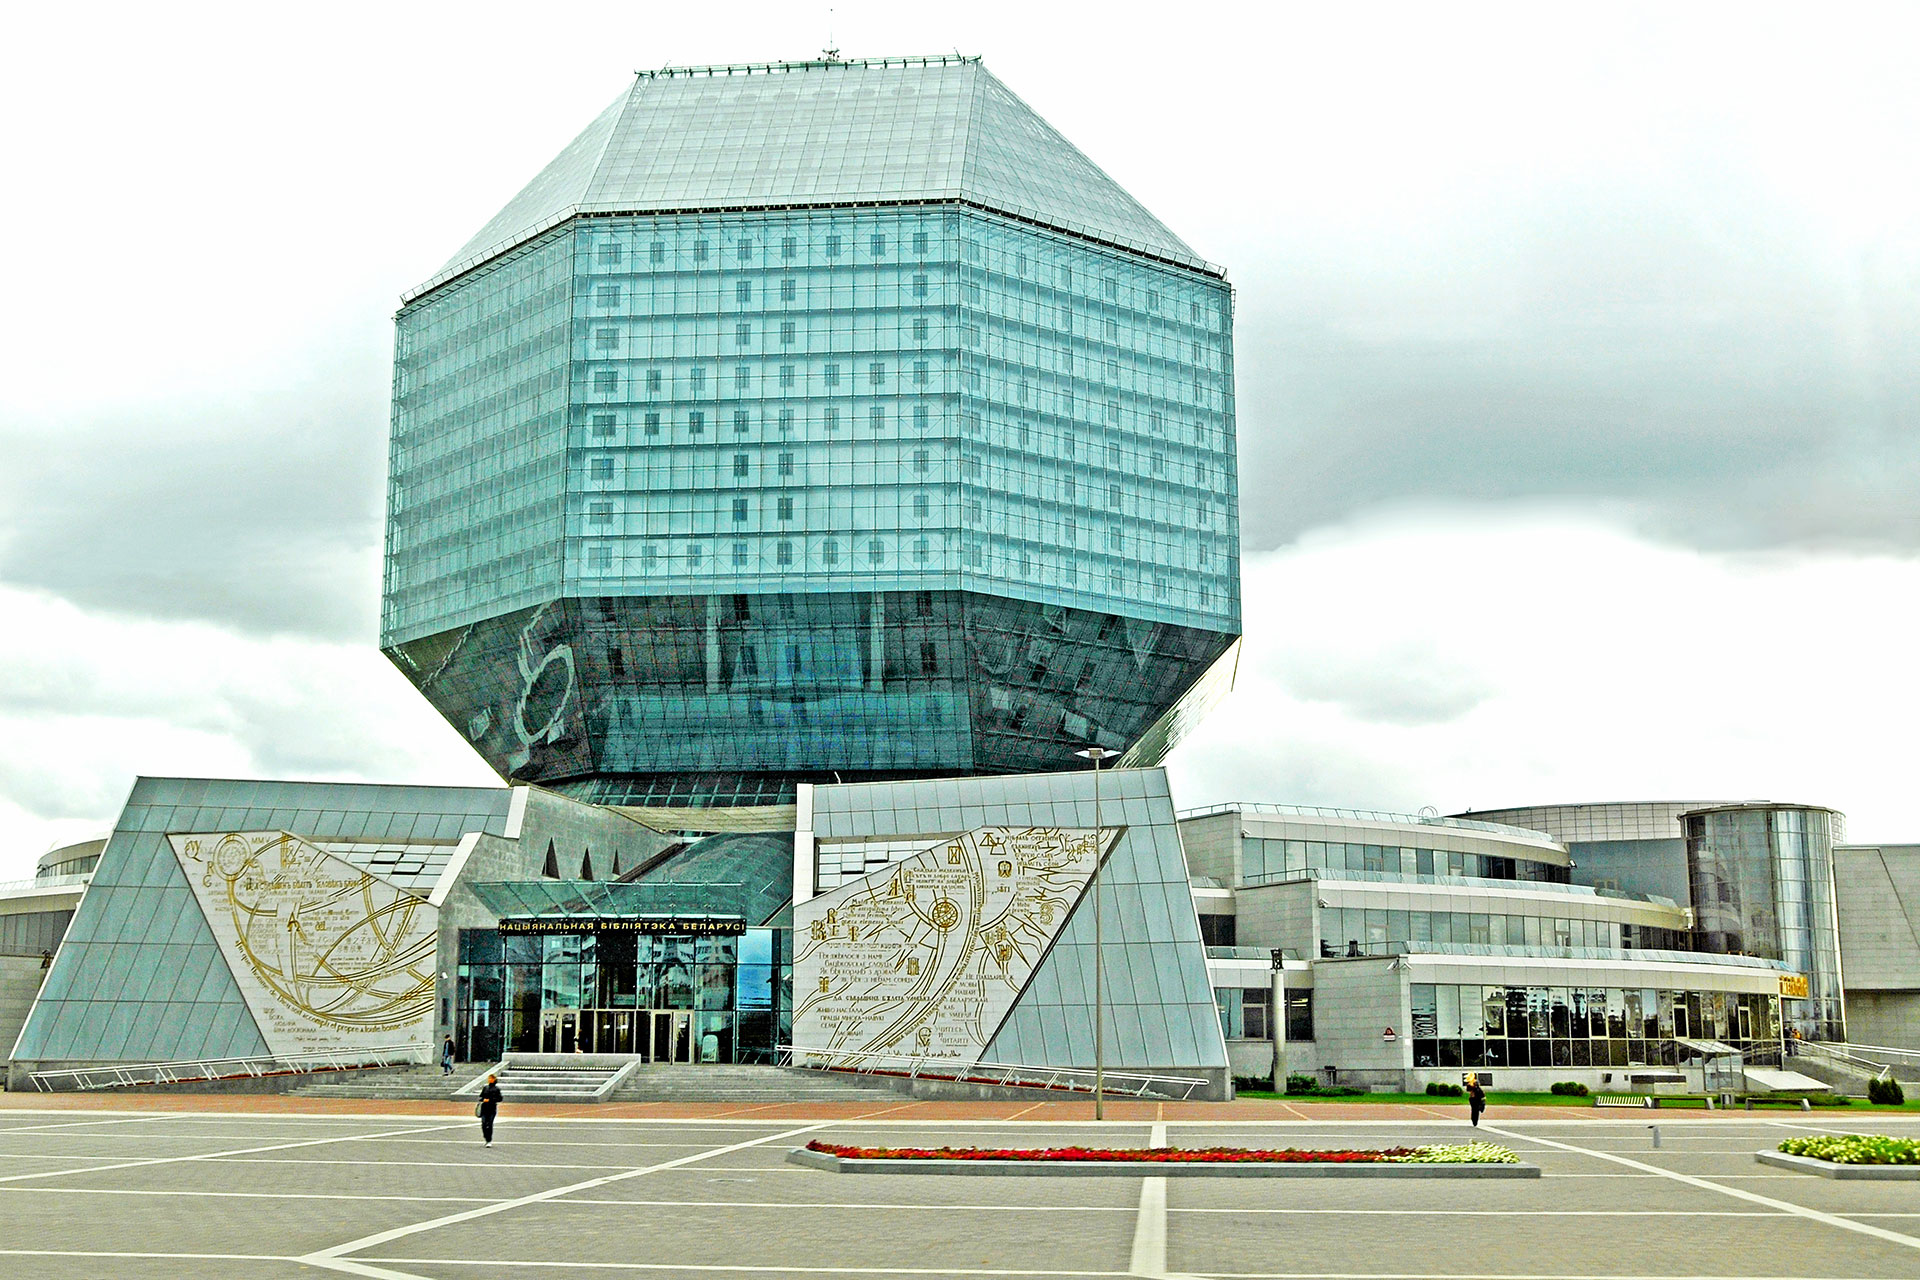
(326, 955)
(925, 957)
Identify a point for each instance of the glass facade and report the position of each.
(925, 485)
(29, 933)
(663, 997)
(1512, 1026)
(1763, 886)
(1371, 931)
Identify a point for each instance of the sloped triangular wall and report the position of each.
(139, 976)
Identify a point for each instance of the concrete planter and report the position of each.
(1844, 1172)
(1153, 1169)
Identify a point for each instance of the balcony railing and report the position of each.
(124, 1075)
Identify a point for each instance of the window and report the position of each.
(696, 422)
(742, 335)
(786, 464)
(744, 251)
(832, 375)
(786, 375)
(739, 510)
(1158, 461)
(919, 242)
(833, 417)
(700, 250)
(605, 381)
(919, 286)
(697, 376)
(973, 511)
(789, 247)
(921, 549)
(920, 417)
(919, 373)
(743, 291)
(1026, 563)
(876, 419)
(1111, 288)
(920, 460)
(1153, 299)
(740, 465)
(1116, 540)
(610, 253)
(921, 506)
(783, 509)
(1113, 455)
(876, 374)
(783, 553)
(833, 246)
(1116, 581)
(741, 422)
(1160, 586)
(1113, 496)
(653, 379)
(920, 329)
(601, 469)
(603, 424)
(648, 554)
(786, 332)
(742, 377)
(696, 554)
(830, 551)
(653, 424)
(876, 551)
(1156, 423)
(786, 422)
(600, 513)
(787, 289)
(657, 252)
(739, 555)
(879, 245)
(1069, 489)
(600, 558)
(606, 295)
(1072, 531)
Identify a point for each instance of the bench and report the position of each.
(1623, 1100)
(1765, 1101)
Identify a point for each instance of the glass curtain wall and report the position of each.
(531, 993)
(1370, 931)
(1763, 886)
(1263, 861)
(1511, 1026)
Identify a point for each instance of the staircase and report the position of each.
(414, 1083)
(523, 1083)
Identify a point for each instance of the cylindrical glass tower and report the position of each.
(1762, 880)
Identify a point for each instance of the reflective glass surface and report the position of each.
(1514, 1026)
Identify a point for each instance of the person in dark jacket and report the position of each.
(446, 1057)
(489, 1105)
(1476, 1101)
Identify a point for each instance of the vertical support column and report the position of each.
(713, 644)
(877, 643)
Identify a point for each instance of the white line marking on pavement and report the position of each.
(217, 1155)
(332, 1258)
(1784, 1206)
(787, 1270)
(1150, 1230)
(7, 1130)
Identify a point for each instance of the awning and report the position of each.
(1707, 1048)
(1778, 1081)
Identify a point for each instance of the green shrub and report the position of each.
(1301, 1083)
(1253, 1084)
(1855, 1148)
(1887, 1092)
(1440, 1090)
(1569, 1089)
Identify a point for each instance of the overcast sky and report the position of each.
(1579, 373)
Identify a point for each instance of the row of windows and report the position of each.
(1451, 1011)
(1263, 860)
(1355, 931)
(744, 249)
(1246, 1013)
(33, 933)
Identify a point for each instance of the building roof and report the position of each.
(798, 134)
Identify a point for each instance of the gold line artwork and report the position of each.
(925, 957)
(322, 950)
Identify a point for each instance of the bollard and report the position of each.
(1805, 1105)
(1654, 1129)
(1709, 1102)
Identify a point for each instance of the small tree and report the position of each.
(1886, 1092)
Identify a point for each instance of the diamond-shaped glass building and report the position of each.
(812, 421)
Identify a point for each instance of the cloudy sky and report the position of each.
(1579, 357)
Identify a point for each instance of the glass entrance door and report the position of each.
(672, 1036)
(560, 1030)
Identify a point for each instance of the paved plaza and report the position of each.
(248, 1187)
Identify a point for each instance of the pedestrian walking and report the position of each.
(489, 1105)
(1476, 1100)
(446, 1057)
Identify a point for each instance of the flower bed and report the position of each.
(1855, 1148)
(1468, 1153)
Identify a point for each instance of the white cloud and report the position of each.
(1488, 660)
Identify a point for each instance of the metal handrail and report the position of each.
(882, 1062)
(1845, 1052)
(78, 880)
(123, 1075)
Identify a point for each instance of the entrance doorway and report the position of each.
(653, 1035)
(672, 1036)
(559, 1030)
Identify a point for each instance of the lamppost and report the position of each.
(1097, 754)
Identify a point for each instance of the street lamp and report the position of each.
(1097, 754)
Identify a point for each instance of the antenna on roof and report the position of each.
(832, 52)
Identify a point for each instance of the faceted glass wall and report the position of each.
(782, 429)
(897, 683)
(1763, 886)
